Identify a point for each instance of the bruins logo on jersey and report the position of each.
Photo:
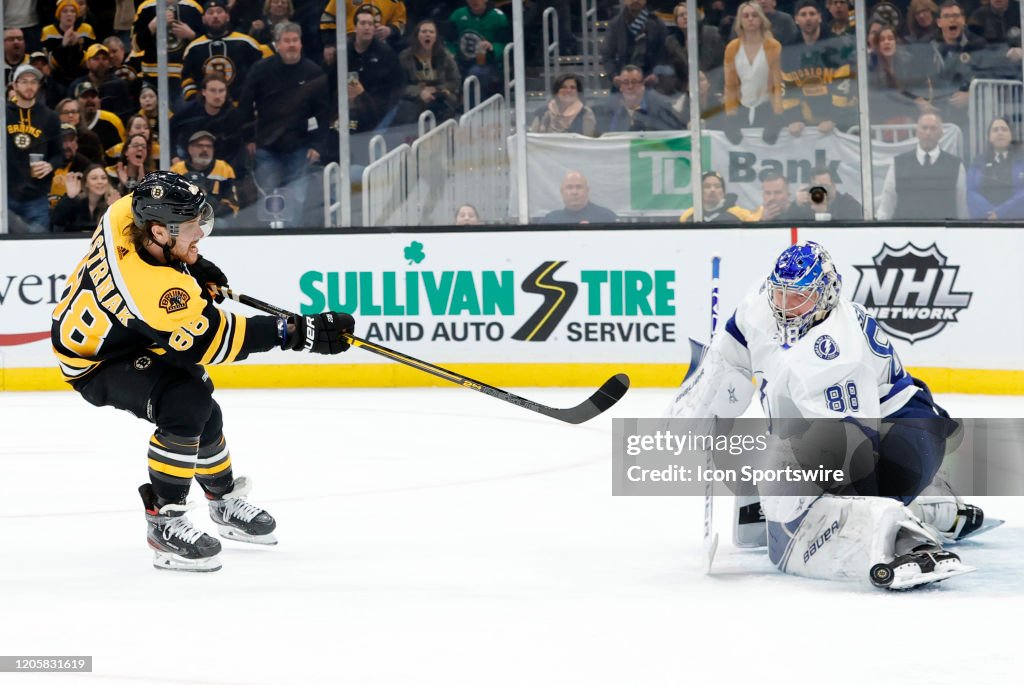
(143, 363)
(174, 300)
(22, 141)
(219, 64)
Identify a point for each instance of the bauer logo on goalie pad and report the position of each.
(174, 300)
(910, 291)
(826, 348)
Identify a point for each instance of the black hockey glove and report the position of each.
(321, 333)
(209, 277)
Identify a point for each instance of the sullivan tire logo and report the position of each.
(558, 297)
(910, 291)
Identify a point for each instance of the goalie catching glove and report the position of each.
(319, 333)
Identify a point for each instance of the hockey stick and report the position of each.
(607, 395)
(710, 537)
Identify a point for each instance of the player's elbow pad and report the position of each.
(716, 388)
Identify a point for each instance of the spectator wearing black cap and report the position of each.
(215, 176)
(719, 206)
(33, 151)
(66, 41)
(74, 162)
(50, 92)
(115, 93)
(106, 125)
(220, 50)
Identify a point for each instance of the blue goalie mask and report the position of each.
(802, 289)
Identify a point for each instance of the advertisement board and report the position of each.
(504, 302)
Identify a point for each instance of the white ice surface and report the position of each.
(440, 536)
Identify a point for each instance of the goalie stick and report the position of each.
(710, 537)
(604, 398)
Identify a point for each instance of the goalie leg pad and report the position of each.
(840, 538)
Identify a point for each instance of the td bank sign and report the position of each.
(660, 172)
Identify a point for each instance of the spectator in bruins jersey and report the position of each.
(33, 151)
(184, 23)
(285, 110)
(220, 50)
(132, 165)
(87, 197)
(115, 94)
(66, 40)
(138, 125)
(213, 112)
(481, 33)
(718, 205)
(134, 329)
(818, 80)
(106, 125)
(841, 22)
(389, 17)
(149, 108)
(214, 176)
(431, 78)
(74, 162)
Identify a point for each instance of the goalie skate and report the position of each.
(925, 565)
(951, 518)
(177, 544)
(240, 520)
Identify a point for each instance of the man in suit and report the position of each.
(926, 182)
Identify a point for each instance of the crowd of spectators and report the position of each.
(253, 93)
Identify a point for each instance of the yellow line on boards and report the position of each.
(504, 375)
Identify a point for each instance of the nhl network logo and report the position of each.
(909, 290)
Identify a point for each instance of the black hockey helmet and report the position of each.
(170, 199)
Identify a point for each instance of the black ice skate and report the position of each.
(925, 564)
(177, 544)
(239, 520)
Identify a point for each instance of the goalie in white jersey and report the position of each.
(809, 354)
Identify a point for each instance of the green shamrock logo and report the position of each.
(414, 252)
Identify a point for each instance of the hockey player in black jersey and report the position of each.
(134, 328)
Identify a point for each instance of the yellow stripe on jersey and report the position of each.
(217, 340)
(239, 338)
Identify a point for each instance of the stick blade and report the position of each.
(603, 399)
